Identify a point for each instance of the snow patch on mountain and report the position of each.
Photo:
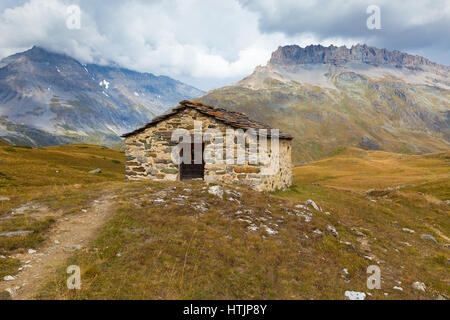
(104, 83)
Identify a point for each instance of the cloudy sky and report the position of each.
(210, 43)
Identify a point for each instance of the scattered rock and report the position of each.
(159, 201)
(31, 251)
(332, 230)
(119, 255)
(270, 231)
(345, 271)
(317, 231)
(4, 199)
(408, 230)
(57, 242)
(84, 210)
(314, 205)
(355, 295)
(428, 237)
(216, 190)
(96, 171)
(234, 193)
(20, 233)
(9, 278)
(397, 288)
(25, 267)
(419, 286)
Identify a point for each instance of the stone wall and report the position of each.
(148, 155)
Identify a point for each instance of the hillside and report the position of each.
(179, 241)
(51, 99)
(334, 97)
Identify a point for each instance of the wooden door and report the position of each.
(192, 170)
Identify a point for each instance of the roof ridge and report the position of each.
(233, 118)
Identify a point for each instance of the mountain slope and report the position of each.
(333, 97)
(56, 94)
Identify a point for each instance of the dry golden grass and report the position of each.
(359, 170)
(173, 250)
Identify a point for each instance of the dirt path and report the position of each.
(68, 234)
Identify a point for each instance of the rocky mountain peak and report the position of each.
(294, 55)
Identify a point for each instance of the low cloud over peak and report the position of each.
(212, 43)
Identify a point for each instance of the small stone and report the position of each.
(119, 255)
(428, 237)
(270, 231)
(95, 171)
(57, 242)
(419, 286)
(9, 278)
(4, 199)
(31, 251)
(216, 190)
(83, 210)
(317, 231)
(355, 295)
(314, 205)
(20, 233)
(345, 271)
(332, 230)
(397, 288)
(12, 292)
(408, 230)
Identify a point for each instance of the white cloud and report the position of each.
(205, 43)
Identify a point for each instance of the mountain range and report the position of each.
(328, 98)
(332, 97)
(48, 98)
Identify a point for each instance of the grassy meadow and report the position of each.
(175, 240)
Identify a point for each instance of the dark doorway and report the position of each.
(192, 170)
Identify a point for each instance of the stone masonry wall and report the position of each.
(148, 155)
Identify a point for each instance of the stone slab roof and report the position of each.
(234, 119)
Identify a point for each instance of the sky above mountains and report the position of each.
(211, 43)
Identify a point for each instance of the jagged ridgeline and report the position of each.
(48, 98)
(332, 97)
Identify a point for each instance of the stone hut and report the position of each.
(217, 145)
